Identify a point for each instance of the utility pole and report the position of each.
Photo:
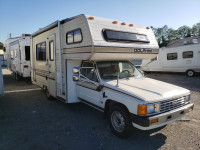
(10, 35)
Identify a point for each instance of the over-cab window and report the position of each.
(27, 53)
(74, 36)
(124, 37)
(172, 56)
(188, 54)
(41, 51)
(51, 51)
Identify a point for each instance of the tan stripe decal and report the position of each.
(27, 90)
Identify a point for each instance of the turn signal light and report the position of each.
(115, 22)
(142, 110)
(154, 120)
(147, 27)
(123, 23)
(91, 18)
(131, 25)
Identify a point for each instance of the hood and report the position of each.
(147, 89)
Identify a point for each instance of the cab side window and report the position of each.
(88, 70)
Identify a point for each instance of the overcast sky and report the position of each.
(27, 16)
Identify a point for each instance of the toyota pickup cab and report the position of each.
(128, 98)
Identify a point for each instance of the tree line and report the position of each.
(164, 35)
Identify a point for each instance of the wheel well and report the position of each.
(190, 70)
(109, 103)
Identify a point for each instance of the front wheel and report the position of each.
(119, 120)
(190, 73)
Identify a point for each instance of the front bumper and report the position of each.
(144, 122)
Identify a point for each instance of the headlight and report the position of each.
(146, 109)
(187, 98)
(150, 108)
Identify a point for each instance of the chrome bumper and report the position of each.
(146, 123)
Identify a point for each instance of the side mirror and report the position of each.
(76, 71)
(75, 77)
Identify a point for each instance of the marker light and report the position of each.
(142, 110)
(91, 18)
(123, 23)
(115, 22)
(131, 25)
(147, 27)
(154, 120)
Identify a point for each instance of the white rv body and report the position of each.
(7, 50)
(62, 53)
(18, 53)
(1, 81)
(181, 63)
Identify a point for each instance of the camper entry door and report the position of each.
(51, 64)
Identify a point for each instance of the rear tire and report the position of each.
(119, 120)
(49, 97)
(190, 73)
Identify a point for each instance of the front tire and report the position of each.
(190, 73)
(119, 120)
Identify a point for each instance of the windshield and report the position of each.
(111, 69)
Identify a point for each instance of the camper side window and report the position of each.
(11, 54)
(27, 53)
(188, 54)
(41, 51)
(172, 56)
(74, 36)
(51, 51)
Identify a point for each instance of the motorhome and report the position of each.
(86, 59)
(1, 81)
(18, 53)
(183, 58)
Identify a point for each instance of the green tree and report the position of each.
(183, 31)
(1, 45)
(196, 29)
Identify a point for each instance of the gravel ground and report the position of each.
(28, 121)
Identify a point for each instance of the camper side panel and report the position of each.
(42, 68)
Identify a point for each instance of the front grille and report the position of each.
(172, 104)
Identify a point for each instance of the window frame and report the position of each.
(73, 36)
(94, 66)
(187, 57)
(173, 53)
(50, 50)
(107, 39)
(29, 53)
(45, 50)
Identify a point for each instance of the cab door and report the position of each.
(88, 87)
(50, 62)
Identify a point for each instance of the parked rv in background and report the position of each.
(18, 55)
(1, 81)
(86, 59)
(179, 56)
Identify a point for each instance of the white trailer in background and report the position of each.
(86, 59)
(18, 53)
(1, 81)
(185, 59)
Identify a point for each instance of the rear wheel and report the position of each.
(119, 120)
(190, 73)
(48, 95)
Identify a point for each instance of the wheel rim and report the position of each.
(190, 73)
(118, 121)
